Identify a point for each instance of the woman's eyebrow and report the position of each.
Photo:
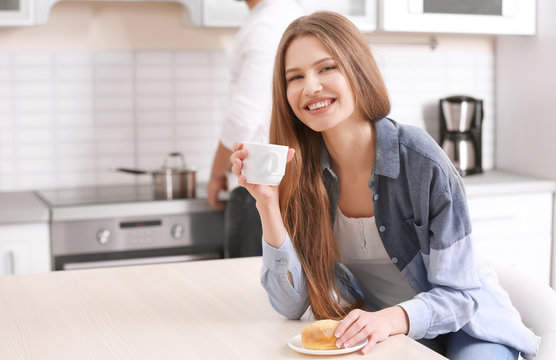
(315, 63)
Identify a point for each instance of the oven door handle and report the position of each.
(11, 262)
(138, 261)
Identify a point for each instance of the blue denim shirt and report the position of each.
(422, 218)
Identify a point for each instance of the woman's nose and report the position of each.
(312, 85)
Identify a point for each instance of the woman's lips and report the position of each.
(319, 106)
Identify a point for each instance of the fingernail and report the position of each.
(338, 344)
(346, 345)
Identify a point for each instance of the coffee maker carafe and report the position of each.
(461, 120)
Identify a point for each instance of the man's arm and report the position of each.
(220, 166)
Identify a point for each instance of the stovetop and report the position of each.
(118, 201)
(97, 195)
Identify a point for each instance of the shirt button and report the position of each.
(382, 228)
(375, 197)
(395, 260)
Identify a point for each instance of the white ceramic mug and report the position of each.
(265, 164)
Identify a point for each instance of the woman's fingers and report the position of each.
(236, 146)
(345, 329)
(346, 322)
(353, 334)
(291, 153)
(236, 166)
(372, 342)
(356, 338)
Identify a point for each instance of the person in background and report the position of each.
(247, 116)
(370, 223)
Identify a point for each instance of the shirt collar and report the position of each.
(387, 150)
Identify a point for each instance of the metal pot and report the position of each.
(169, 182)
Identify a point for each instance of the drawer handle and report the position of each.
(11, 262)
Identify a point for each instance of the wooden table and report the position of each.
(197, 310)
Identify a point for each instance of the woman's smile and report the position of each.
(319, 106)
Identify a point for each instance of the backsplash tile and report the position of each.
(67, 118)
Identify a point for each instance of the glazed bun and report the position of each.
(320, 335)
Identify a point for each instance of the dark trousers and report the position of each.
(242, 225)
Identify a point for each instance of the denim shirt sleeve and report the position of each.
(447, 253)
(290, 301)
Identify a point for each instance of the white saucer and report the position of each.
(296, 344)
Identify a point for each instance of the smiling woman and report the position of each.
(370, 223)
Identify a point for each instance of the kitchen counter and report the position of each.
(195, 310)
(25, 206)
(496, 182)
(22, 207)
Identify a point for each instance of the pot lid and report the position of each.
(175, 162)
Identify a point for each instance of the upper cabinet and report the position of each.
(218, 13)
(515, 17)
(16, 12)
(362, 13)
(37, 12)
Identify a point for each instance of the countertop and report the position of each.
(194, 310)
(21, 207)
(497, 182)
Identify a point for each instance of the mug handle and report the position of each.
(272, 163)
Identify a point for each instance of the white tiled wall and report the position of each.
(417, 77)
(67, 118)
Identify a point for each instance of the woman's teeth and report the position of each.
(319, 104)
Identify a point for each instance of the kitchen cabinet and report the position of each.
(217, 13)
(362, 13)
(16, 12)
(515, 17)
(24, 248)
(37, 12)
(514, 229)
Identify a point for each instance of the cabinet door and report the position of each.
(218, 13)
(515, 230)
(16, 12)
(362, 13)
(24, 249)
(456, 16)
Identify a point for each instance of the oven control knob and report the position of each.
(177, 231)
(103, 236)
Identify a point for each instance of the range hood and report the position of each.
(42, 9)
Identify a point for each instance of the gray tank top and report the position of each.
(364, 255)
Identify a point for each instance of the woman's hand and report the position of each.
(266, 197)
(375, 326)
(261, 193)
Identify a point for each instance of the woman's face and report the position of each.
(317, 91)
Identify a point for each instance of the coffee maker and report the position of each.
(461, 119)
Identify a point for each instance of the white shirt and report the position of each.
(252, 62)
(364, 255)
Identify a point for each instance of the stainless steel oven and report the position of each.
(125, 225)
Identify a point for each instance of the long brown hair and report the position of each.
(304, 202)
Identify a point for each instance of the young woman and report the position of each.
(370, 222)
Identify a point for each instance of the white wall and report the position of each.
(526, 95)
(121, 84)
(526, 98)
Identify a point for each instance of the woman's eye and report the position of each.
(294, 78)
(328, 68)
